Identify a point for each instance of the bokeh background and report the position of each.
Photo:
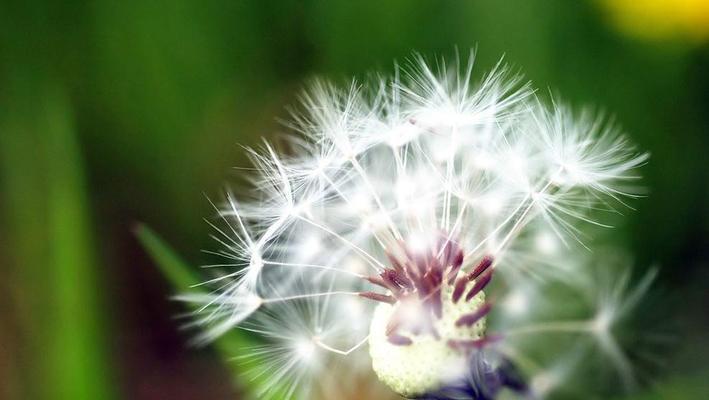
(114, 113)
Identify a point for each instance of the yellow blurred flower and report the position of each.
(661, 19)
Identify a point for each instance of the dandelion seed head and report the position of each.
(414, 369)
(418, 216)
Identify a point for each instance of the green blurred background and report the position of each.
(113, 113)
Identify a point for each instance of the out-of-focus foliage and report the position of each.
(60, 347)
(116, 112)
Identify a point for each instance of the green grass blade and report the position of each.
(179, 274)
(64, 353)
(182, 278)
(79, 362)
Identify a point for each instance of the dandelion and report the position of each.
(424, 218)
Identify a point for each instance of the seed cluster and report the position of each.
(415, 282)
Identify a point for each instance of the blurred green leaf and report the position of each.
(77, 342)
(53, 248)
